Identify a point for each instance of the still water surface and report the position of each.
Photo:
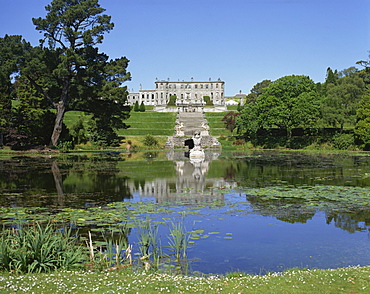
(242, 233)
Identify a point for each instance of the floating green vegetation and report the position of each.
(312, 195)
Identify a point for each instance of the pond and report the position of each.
(253, 211)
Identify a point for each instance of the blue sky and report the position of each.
(242, 42)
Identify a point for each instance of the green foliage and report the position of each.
(287, 103)
(178, 238)
(39, 249)
(362, 129)
(30, 123)
(136, 106)
(256, 91)
(150, 141)
(78, 132)
(172, 101)
(343, 141)
(342, 100)
(208, 101)
(70, 73)
(65, 146)
(142, 107)
(100, 132)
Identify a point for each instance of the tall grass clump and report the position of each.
(36, 248)
(150, 247)
(178, 239)
(113, 252)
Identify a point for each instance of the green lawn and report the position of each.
(149, 122)
(154, 123)
(217, 126)
(343, 280)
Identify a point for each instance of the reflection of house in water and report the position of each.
(190, 184)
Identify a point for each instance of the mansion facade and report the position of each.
(189, 94)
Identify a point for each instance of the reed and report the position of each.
(178, 239)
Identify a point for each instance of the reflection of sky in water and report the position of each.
(254, 240)
(255, 244)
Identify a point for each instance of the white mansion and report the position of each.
(189, 95)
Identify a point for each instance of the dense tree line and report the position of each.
(294, 111)
(66, 71)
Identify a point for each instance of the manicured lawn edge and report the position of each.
(342, 280)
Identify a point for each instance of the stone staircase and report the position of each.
(192, 122)
(187, 123)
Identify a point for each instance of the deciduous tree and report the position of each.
(342, 100)
(289, 102)
(362, 129)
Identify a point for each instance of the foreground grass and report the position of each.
(343, 280)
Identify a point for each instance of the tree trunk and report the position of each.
(60, 107)
(58, 183)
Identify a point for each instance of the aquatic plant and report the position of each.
(37, 248)
(113, 251)
(178, 239)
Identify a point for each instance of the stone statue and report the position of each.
(197, 152)
(205, 131)
(179, 129)
(197, 139)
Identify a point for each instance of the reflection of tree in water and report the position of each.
(284, 211)
(259, 169)
(296, 212)
(95, 179)
(150, 155)
(350, 221)
(76, 180)
(230, 172)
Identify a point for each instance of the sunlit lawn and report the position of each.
(345, 280)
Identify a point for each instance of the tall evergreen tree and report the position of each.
(68, 70)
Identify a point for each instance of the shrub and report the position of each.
(239, 142)
(142, 107)
(65, 146)
(136, 106)
(343, 141)
(150, 141)
(172, 101)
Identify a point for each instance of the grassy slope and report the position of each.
(149, 122)
(153, 123)
(217, 126)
